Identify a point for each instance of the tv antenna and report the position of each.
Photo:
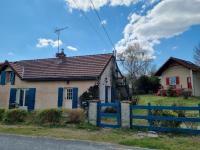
(58, 31)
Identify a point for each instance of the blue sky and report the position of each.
(24, 23)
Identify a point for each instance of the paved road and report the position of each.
(13, 142)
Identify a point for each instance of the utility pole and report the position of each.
(58, 31)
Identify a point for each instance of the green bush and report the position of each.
(166, 123)
(2, 112)
(147, 85)
(186, 94)
(171, 92)
(76, 116)
(110, 110)
(15, 116)
(49, 117)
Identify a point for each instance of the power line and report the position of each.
(89, 21)
(104, 28)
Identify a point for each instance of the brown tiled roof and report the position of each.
(182, 62)
(71, 68)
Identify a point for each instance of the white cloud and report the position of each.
(174, 47)
(72, 48)
(42, 42)
(167, 19)
(85, 5)
(10, 54)
(103, 22)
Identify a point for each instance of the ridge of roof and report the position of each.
(54, 58)
(74, 67)
(185, 63)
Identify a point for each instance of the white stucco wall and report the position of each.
(102, 83)
(176, 70)
(196, 83)
(46, 91)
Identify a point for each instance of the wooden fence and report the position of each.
(150, 117)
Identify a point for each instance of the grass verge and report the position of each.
(118, 136)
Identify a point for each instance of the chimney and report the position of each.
(61, 55)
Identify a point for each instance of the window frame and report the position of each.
(68, 94)
(18, 96)
(172, 81)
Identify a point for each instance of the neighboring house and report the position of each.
(59, 82)
(180, 74)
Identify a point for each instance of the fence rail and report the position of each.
(116, 115)
(151, 118)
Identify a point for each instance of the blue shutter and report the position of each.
(60, 97)
(12, 78)
(12, 99)
(75, 98)
(21, 97)
(30, 97)
(3, 78)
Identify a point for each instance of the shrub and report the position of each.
(49, 117)
(146, 84)
(110, 110)
(186, 94)
(2, 112)
(76, 116)
(171, 92)
(165, 123)
(15, 116)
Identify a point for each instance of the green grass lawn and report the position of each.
(165, 101)
(159, 100)
(117, 136)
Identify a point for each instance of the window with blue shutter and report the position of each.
(60, 97)
(12, 78)
(3, 78)
(75, 98)
(12, 99)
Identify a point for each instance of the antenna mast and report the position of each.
(58, 31)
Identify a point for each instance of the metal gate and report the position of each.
(101, 114)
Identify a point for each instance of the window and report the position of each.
(69, 93)
(8, 77)
(172, 81)
(21, 97)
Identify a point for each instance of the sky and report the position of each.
(164, 28)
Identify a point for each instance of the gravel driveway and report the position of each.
(14, 142)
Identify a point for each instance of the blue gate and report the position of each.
(115, 115)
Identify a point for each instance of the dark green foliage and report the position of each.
(49, 117)
(146, 84)
(186, 94)
(167, 113)
(171, 92)
(15, 116)
(110, 110)
(91, 94)
(2, 112)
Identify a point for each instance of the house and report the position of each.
(180, 74)
(59, 82)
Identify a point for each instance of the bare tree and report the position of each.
(197, 54)
(136, 62)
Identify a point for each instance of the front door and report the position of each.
(68, 97)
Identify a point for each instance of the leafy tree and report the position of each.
(146, 84)
(136, 62)
(197, 54)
